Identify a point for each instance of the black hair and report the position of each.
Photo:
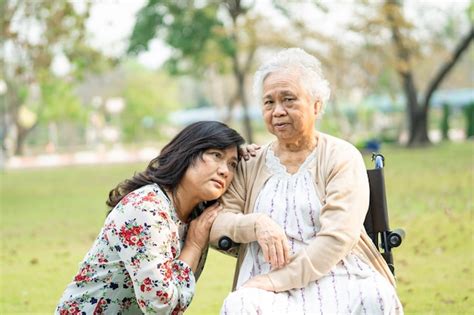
(168, 168)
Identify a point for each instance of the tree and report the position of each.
(34, 35)
(202, 34)
(149, 97)
(418, 105)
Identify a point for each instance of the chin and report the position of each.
(213, 195)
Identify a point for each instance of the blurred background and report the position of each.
(91, 90)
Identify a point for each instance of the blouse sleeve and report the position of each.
(146, 240)
(342, 217)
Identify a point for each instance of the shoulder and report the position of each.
(334, 149)
(256, 161)
(147, 193)
(149, 198)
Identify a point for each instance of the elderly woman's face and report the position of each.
(288, 110)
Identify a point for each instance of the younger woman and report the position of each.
(147, 253)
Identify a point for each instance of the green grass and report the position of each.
(50, 217)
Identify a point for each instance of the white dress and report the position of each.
(351, 287)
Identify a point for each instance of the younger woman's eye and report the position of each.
(233, 165)
(217, 154)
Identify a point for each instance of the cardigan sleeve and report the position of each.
(231, 221)
(342, 215)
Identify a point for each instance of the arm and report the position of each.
(342, 217)
(246, 228)
(145, 238)
(231, 221)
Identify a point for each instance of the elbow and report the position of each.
(153, 297)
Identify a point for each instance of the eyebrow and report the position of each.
(284, 92)
(287, 92)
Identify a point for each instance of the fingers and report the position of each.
(279, 255)
(272, 253)
(209, 214)
(265, 251)
(249, 150)
(252, 149)
(274, 243)
(286, 252)
(199, 228)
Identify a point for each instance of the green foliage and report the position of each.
(445, 121)
(149, 97)
(59, 101)
(194, 30)
(469, 113)
(62, 32)
(49, 221)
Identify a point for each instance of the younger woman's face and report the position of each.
(208, 178)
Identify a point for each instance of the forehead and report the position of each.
(281, 82)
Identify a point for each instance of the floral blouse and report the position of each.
(133, 263)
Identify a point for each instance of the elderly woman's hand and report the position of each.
(249, 150)
(272, 239)
(260, 282)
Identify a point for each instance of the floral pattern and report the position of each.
(132, 265)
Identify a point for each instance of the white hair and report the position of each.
(291, 59)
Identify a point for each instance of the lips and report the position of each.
(219, 182)
(280, 125)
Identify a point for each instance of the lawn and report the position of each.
(50, 217)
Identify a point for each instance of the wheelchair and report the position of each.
(376, 221)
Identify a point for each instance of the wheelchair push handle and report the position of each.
(378, 159)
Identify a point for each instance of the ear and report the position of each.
(317, 107)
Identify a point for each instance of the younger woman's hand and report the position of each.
(199, 228)
(249, 150)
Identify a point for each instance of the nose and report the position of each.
(279, 110)
(223, 170)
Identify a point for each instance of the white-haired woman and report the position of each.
(298, 209)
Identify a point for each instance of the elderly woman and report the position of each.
(298, 209)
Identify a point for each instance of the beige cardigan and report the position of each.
(342, 186)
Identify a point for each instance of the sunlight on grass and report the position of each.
(49, 219)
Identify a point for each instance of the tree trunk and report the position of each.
(418, 112)
(243, 99)
(235, 9)
(417, 115)
(20, 140)
(418, 129)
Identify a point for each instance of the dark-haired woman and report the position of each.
(147, 253)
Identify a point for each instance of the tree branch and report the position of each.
(445, 68)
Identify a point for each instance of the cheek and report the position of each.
(229, 180)
(267, 118)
